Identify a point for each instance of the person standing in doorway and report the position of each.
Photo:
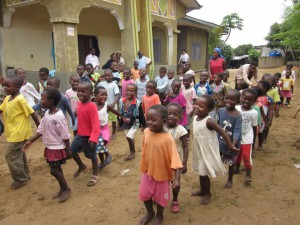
(143, 61)
(92, 58)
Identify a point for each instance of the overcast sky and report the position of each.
(258, 16)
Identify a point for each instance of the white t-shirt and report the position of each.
(249, 121)
(184, 57)
(103, 115)
(30, 94)
(93, 59)
(112, 90)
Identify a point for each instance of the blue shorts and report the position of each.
(81, 143)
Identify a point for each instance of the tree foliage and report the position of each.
(230, 22)
(274, 42)
(227, 52)
(242, 49)
(214, 39)
(253, 55)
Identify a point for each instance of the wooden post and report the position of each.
(296, 112)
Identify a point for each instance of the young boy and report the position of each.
(188, 70)
(16, 112)
(135, 72)
(162, 81)
(225, 80)
(190, 96)
(43, 75)
(116, 77)
(112, 98)
(141, 86)
(171, 74)
(150, 98)
(88, 132)
(129, 109)
(249, 123)
(80, 71)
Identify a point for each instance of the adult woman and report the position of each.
(217, 64)
(113, 58)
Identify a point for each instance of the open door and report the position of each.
(85, 42)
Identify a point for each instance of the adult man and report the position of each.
(245, 73)
(92, 58)
(143, 61)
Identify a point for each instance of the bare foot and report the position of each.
(57, 195)
(259, 148)
(129, 157)
(248, 180)
(228, 184)
(147, 218)
(79, 171)
(158, 220)
(206, 199)
(65, 195)
(113, 137)
(197, 193)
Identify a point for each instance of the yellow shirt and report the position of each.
(16, 119)
(273, 93)
(287, 83)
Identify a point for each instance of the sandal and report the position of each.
(175, 207)
(101, 166)
(108, 160)
(93, 180)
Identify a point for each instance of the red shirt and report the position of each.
(216, 66)
(88, 121)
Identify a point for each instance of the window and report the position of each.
(195, 51)
(157, 50)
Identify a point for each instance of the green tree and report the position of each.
(227, 52)
(274, 42)
(253, 55)
(214, 38)
(230, 22)
(242, 49)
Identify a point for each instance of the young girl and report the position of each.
(176, 96)
(180, 136)
(287, 88)
(159, 161)
(231, 122)
(100, 94)
(203, 87)
(206, 158)
(71, 95)
(56, 138)
(127, 80)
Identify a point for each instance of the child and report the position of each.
(43, 75)
(225, 80)
(94, 76)
(56, 139)
(273, 93)
(267, 104)
(289, 67)
(16, 112)
(241, 86)
(203, 87)
(287, 88)
(190, 96)
(219, 90)
(171, 74)
(159, 162)
(231, 122)
(162, 81)
(127, 80)
(188, 70)
(141, 86)
(129, 109)
(112, 98)
(72, 97)
(80, 71)
(88, 132)
(180, 136)
(121, 67)
(150, 98)
(100, 94)
(27, 89)
(176, 96)
(135, 72)
(116, 77)
(249, 123)
(206, 158)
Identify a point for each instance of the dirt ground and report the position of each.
(273, 198)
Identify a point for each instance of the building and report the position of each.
(58, 33)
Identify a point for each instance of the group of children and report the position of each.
(225, 123)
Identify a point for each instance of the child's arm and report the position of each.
(176, 182)
(69, 110)
(27, 145)
(35, 119)
(115, 101)
(262, 112)
(111, 109)
(270, 114)
(193, 78)
(185, 148)
(212, 125)
(292, 89)
(68, 150)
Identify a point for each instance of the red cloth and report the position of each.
(245, 154)
(88, 121)
(216, 66)
(55, 155)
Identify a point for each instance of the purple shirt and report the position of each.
(181, 101)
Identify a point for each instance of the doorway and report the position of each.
(85, 42)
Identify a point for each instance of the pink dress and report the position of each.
(216, 66)
(124, 85)
(181, 101)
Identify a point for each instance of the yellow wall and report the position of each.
(30, 34)
(159, 32)
(100, 23)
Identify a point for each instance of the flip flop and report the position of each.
(175, 207)
(93, 180)
(101, 166)
(108, 160)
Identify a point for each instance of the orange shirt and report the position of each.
(135, 74)
(159, 156)
(148, 101)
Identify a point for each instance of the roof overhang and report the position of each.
(191, 4)
(193, 22)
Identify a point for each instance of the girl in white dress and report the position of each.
(206, 160)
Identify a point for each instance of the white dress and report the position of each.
(206, 159)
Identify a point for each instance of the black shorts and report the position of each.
(81, 143)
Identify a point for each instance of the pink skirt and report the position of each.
(53, 155)
(105, 133)
(286, 94)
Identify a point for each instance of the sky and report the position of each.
(258, 17)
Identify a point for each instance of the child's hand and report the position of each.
(126, 120)
(92, 144)
(112, 105)
(233, 149)
(176, 185)
(26, 146)
(69, 153)
(184, 169)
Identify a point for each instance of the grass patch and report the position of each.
(295, 160)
